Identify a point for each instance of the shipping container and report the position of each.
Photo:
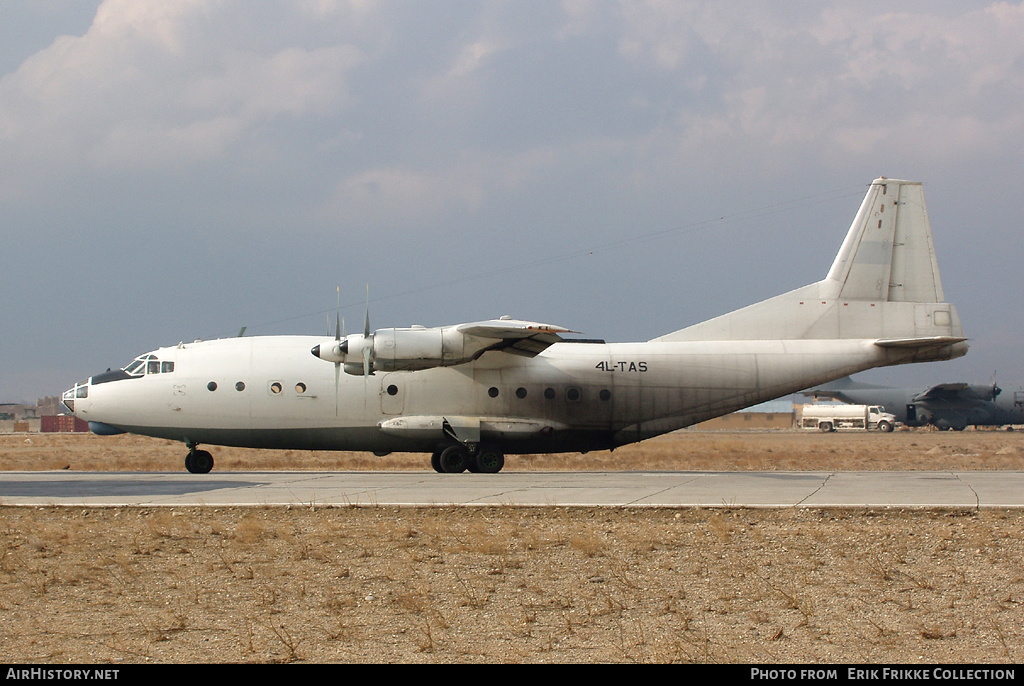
(62, 423)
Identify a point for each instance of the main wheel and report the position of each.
(454, 459)
(435, 461)
(489, 461)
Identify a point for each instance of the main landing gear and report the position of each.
(456, 459)
(198, 461)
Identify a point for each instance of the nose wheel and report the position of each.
(198, 461)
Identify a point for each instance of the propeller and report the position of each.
(352, 353)
(996, 390)
(367, 338)
(337, 365)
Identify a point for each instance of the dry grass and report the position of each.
(551, 585)
(518, 585)
(687, 450)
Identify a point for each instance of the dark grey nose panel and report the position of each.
(115, 375)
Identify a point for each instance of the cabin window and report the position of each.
(392, 389)
(240, 386)
(212, 386)
(605, 394)
(573, 394)
(492, 391)
(300, 388)
(520, 393)
(276, 387)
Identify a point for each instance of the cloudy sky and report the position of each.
(180, 169)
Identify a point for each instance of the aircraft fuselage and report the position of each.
(269, 392)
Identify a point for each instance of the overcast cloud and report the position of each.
(180, 169)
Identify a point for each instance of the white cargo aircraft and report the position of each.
(470, 393)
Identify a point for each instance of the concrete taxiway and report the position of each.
(611, 489)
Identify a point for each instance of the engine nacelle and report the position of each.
(411, 349)
(417, 347)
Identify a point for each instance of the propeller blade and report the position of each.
(366, 321)
(367, 338)
(337, 379)
(337, 337)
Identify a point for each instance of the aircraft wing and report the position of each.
(515, 335)
(944, 391)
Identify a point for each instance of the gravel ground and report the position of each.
(441, 585)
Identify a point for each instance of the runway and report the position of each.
(975, 489)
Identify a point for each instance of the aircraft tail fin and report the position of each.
(888, 254)
(883, 286)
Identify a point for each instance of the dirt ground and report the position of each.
(440, 585)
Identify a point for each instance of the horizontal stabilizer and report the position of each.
(926, 342)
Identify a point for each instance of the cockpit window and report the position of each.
(148, 364)
(133, 368)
